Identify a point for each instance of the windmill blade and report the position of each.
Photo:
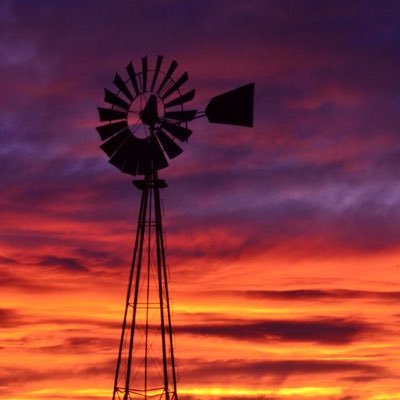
(176, 85)
(149, 159)
(112, 145)
(139, 156)
(156, 72)
(130, 166)
(132, 157)
(233, 108)
(168, 75)
(169, 146)
(132, 76)
(108, 114)
(112, 98)
(106, 131)
(144, 74)
(183, 115)
(181, 99)
(144, 167)
(177, 131)
(144, 157)
(157, 155)
(123, 153)
(120, 84)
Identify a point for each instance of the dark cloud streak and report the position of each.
(319, 294)
(332, 331)
(241, 369)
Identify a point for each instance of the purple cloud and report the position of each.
(240, 369)
(63, 262)
(333, 331)
(319, 294)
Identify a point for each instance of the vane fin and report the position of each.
(157, 155)
(132, 76)
(177, 131)
(108, 130)
(120, 84)
(112, 145)
(169, 146)
(144, 74)
(156, 72)
(123, 153)
(109, 114)
(112, 98)
(167, 76)
(132, 158)
(176, 85)
(181, 99)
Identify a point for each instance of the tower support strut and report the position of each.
(146, 363)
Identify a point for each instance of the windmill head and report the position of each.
(233, 108)
(146, 118)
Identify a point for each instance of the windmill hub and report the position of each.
(149, 115)
(144, 113)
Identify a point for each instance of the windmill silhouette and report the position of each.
(143, 122)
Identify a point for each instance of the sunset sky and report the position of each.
(283, 240)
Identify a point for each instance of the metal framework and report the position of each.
(151, 98)
(146, 363)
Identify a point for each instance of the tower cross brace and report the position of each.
(146, 363)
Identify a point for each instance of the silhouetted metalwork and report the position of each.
(234, 107)
(144, 121)
(136, 107)
(146, 363)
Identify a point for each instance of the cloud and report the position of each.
(319, 294)
(259, 369)
(17, 280)
(82, 345)
(68, 263)
(12, 375)
(10, 318)
(325, 130)
(8, 260)
(296, 228)
(332, 331)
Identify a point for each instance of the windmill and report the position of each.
(143, 123)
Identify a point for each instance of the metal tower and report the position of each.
(146, 363)
(143, 123)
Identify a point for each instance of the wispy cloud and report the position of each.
(319, 330)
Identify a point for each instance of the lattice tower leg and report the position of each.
(146, 364)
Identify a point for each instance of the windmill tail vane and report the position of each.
(145, 123)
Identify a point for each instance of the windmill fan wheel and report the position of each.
(145, 117)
